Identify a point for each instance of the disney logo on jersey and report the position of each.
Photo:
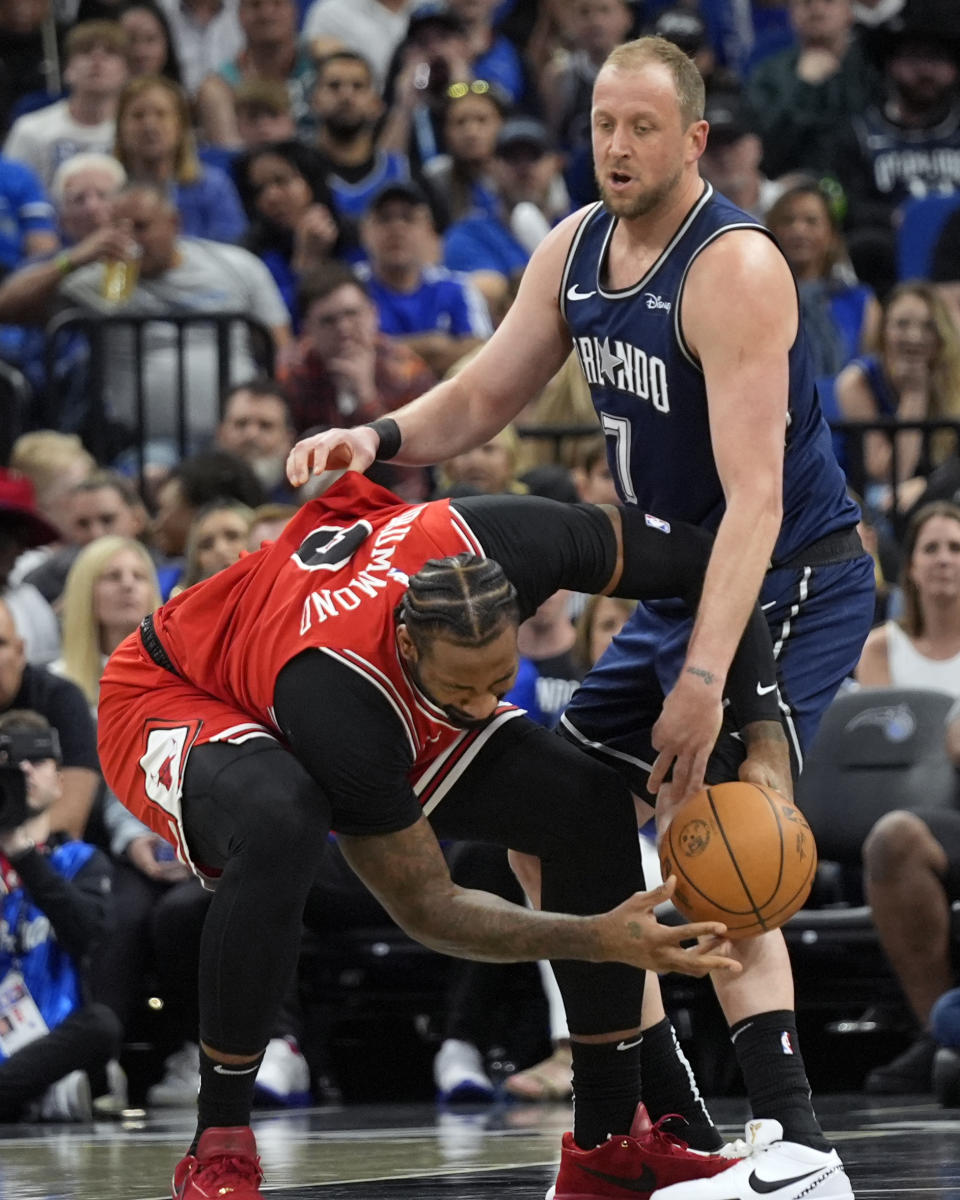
(625, 367)
(657, 302)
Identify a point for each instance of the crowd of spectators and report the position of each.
(353, 188)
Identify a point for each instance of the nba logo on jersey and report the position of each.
(785, 1044)
(657, 522)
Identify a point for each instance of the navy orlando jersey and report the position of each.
(650, 394)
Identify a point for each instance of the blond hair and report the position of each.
(629, 56)
(46, 456)
(82, 651)
(945, 368)
(186, 164)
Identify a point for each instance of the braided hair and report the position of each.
(464, 598)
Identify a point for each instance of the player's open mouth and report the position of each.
(619, 179)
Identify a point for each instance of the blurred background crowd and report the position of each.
(224, 223)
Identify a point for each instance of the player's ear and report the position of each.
(405, 644)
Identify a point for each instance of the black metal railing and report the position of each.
(97, 365)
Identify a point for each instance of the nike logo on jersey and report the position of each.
(646, 1181)
(222, 1070)
(764, 1187)
(765, 691)
(574, 293)
(629, 1045)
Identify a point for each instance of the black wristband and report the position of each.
(388, 432)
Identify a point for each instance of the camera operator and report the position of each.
(55, 904)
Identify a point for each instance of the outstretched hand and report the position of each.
(632, 934)
(332, 450)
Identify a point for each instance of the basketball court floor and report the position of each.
(907, 1150)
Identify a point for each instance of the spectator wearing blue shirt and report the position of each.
(532, 197)
(439, 314)
(492, 56)
(155, 144)
(26, 216)
(348, 108)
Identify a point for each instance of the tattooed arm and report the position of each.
(407, 873)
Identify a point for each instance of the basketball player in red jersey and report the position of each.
(350, 676)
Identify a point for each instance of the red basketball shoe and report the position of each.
(631, 1167)
(226, 1164)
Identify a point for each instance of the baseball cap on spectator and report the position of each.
(434, 14)
(409, 192)
(727, 116)
(523, 131)
(18, 509)
(684, 28)
(399, 189)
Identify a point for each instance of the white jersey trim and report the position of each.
(627, 293)
(468, 757)
(240, 733)
(677, 330)
(462, 526)
(601, 748)
(803, 591)
(383, 685)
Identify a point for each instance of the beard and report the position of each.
(456, 716)
(629, 208)
(344, 129)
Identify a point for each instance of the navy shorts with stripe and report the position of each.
(819, 618)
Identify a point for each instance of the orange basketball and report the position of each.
(742, 854)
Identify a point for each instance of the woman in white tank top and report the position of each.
(923, 649)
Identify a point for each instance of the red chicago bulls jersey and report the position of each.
(331, 582)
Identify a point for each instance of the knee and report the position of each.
(899, 843)
(284, 817)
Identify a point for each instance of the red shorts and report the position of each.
(149, 720)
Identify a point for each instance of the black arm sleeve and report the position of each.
(80, 909)
(350, 740)
(544, 545)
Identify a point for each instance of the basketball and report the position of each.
(742, 854)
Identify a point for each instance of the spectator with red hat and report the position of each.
(21, 528)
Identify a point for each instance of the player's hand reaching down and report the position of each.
(632, 934)
(686, 732)
(332, 450)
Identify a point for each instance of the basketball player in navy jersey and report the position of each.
(684, 315)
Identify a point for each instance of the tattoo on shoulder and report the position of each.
(708, 677)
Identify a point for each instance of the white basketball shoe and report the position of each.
(773, 1170)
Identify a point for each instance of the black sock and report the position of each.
(768, 1051)
(606, 1089)
(226, 1095)
(669, 1086)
